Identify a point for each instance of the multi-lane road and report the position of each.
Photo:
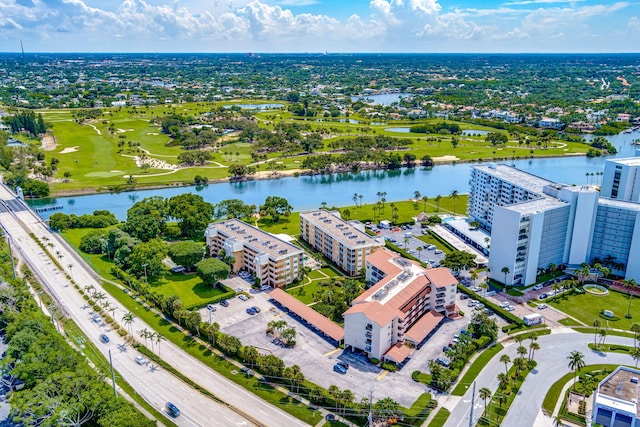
(239, 407)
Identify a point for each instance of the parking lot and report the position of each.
(317, 356)
(433, 256)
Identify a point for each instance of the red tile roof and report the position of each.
(376, 312)
(423, 326)
(311, 316)
(441, 277)
(398, 353)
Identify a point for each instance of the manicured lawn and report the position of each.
(286, 225)
(317, 274)
(587, 307)
(440, 418)
(188, 287)
(567, 321)
(553, 395)
(305, 293)
(475, 368)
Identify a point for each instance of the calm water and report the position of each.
(308, 192)
(256, 106)
(383, 98)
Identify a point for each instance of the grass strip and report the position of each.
(440, 418)
(475, 368)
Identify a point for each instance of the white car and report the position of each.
(537, 287)
(140, 360)
(542, 306)
(96, 318)
(510, 308)
(504, 304)
(243, 297)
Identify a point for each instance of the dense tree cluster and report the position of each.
(98, 219)
(27, 121)
(443, 127)
(60, 388)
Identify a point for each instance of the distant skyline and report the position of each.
(509, 26)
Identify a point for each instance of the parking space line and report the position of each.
(279, 315)
(332, 352)
(382, 375)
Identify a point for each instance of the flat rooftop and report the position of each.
(339, 229)
(626, 161)
(535, 206)
(620, 388)
(255, 238)
(476, 234)
(515, 176)
(632, 206)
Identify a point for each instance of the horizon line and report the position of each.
(322, 53)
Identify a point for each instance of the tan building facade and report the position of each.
(272, 260)
(340, 241)
(405, 303)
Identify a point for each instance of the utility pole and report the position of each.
(473, 398)
(370, 416)
(113, 377)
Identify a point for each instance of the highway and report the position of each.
(526, 409)
(239, 406)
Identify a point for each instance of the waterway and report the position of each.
(383, 98)
(308, 192)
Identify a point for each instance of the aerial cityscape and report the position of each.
(320, 213)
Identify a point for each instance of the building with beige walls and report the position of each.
(404, 305)
(272, 260)
(340, 241)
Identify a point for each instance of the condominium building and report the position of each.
(272, 260)
(404, 304)
(621, 179)
(542, 223)
(341, 241)
(615, 401)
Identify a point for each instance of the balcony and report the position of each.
(368, 334)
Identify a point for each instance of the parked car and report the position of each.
(224, 303)
(537, 287)
(510, 308)
(432, 247)
(438, 251)
(504, 304)
(446, 348)
(465, 332)
(104, 338)
(542, 296)
(140, 360)
(172, 410)
(542, 306)
(96, 318)
(265, 288)
(251, 311)
(211, 307)
(243, 297)
(442, 362)
(431, 261)
(256, 309)
(339, 369)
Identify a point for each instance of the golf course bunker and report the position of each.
(446, 159)
(70, 149)
(596, 289)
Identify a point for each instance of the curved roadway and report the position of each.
(239, 406)
(526, 409)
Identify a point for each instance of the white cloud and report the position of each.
(634, 24)
(527, 2)
(297, 2)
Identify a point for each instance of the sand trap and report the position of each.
(70, 149)
(445, 159)
(48, 143)
(152, 133)
(124, 130)
(115, 171)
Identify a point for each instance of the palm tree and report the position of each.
(355, 199)
(635, 355)
(506, 270)
(485, 394)
(603, 336)
(596, 324)
(419, 249)
(416, 195)
(635, 328)
(437, 200)
(144, 333)
(576, 362)
(424, 202)
(628, 284)
(533, 347)
(128, 319)
(506, 360)
(159, 338)
(454, 195)
(522, 350)
(501, 398)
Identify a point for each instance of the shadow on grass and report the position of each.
(206, 291)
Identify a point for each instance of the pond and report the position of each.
(471, 132)
(382, 98)
(399, 129)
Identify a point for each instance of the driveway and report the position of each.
(526, 410)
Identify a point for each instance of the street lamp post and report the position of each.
(145, 272)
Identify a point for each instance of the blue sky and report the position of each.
(319, 25)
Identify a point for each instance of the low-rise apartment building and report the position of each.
(403, 305)
(272, 260)
(615, 401)
(340, 241)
